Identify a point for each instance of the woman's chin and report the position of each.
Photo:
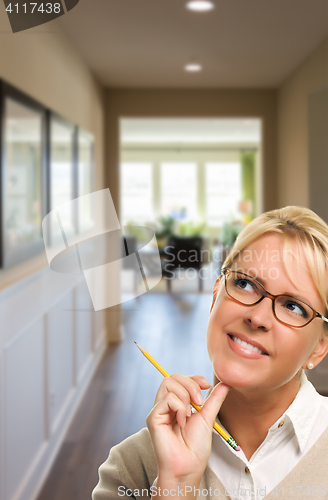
(233, 378)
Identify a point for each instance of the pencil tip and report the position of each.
(134, 341)
(139, 347)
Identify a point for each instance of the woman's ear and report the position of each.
(319, 353)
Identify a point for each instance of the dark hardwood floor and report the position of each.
(173, 329)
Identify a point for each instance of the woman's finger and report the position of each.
(213, 403)
(165, 410)
(202, 382)
(184, 387)
(169, 384)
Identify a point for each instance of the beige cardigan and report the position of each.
(132, 464)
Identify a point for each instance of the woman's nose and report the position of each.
(260, 316)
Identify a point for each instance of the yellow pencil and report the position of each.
(219, 429)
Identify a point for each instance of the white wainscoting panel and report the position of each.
(83, 328)
(24, 413)
(60, 357)
(51, 341)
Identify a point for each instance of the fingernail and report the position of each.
(199, 399)
(189, 411)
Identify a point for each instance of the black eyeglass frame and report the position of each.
(225, 272)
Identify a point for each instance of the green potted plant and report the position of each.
(229, 233)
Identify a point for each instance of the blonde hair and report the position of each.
(295, 224)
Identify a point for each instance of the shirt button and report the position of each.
(281, 423)
(247, 470)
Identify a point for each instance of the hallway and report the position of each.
(123, 389)
(72, 382)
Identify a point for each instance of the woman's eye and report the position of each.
(244, 284)
(296, 308)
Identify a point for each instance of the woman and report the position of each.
(268, 323)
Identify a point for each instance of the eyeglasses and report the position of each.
(287, 309)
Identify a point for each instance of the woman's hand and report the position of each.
(182, 441)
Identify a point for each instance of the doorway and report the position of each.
(190, 178)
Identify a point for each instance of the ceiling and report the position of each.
(241, 43)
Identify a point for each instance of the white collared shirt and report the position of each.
(286, 443)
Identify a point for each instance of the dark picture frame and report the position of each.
(23, 123)
(45, 162)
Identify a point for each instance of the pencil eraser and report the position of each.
(238, 448)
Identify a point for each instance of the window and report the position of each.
(223, 191)
(187, 191)
(137, 192)
(179, 189)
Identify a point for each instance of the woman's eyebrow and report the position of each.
(259, 279)
(249, 273)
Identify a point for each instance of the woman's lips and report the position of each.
(237, 345)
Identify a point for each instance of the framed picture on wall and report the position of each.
(85, 178)
(62, 172)
(23, 175)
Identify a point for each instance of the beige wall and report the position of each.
(293, 113)
(43, 63)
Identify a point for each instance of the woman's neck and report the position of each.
(247, 416)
